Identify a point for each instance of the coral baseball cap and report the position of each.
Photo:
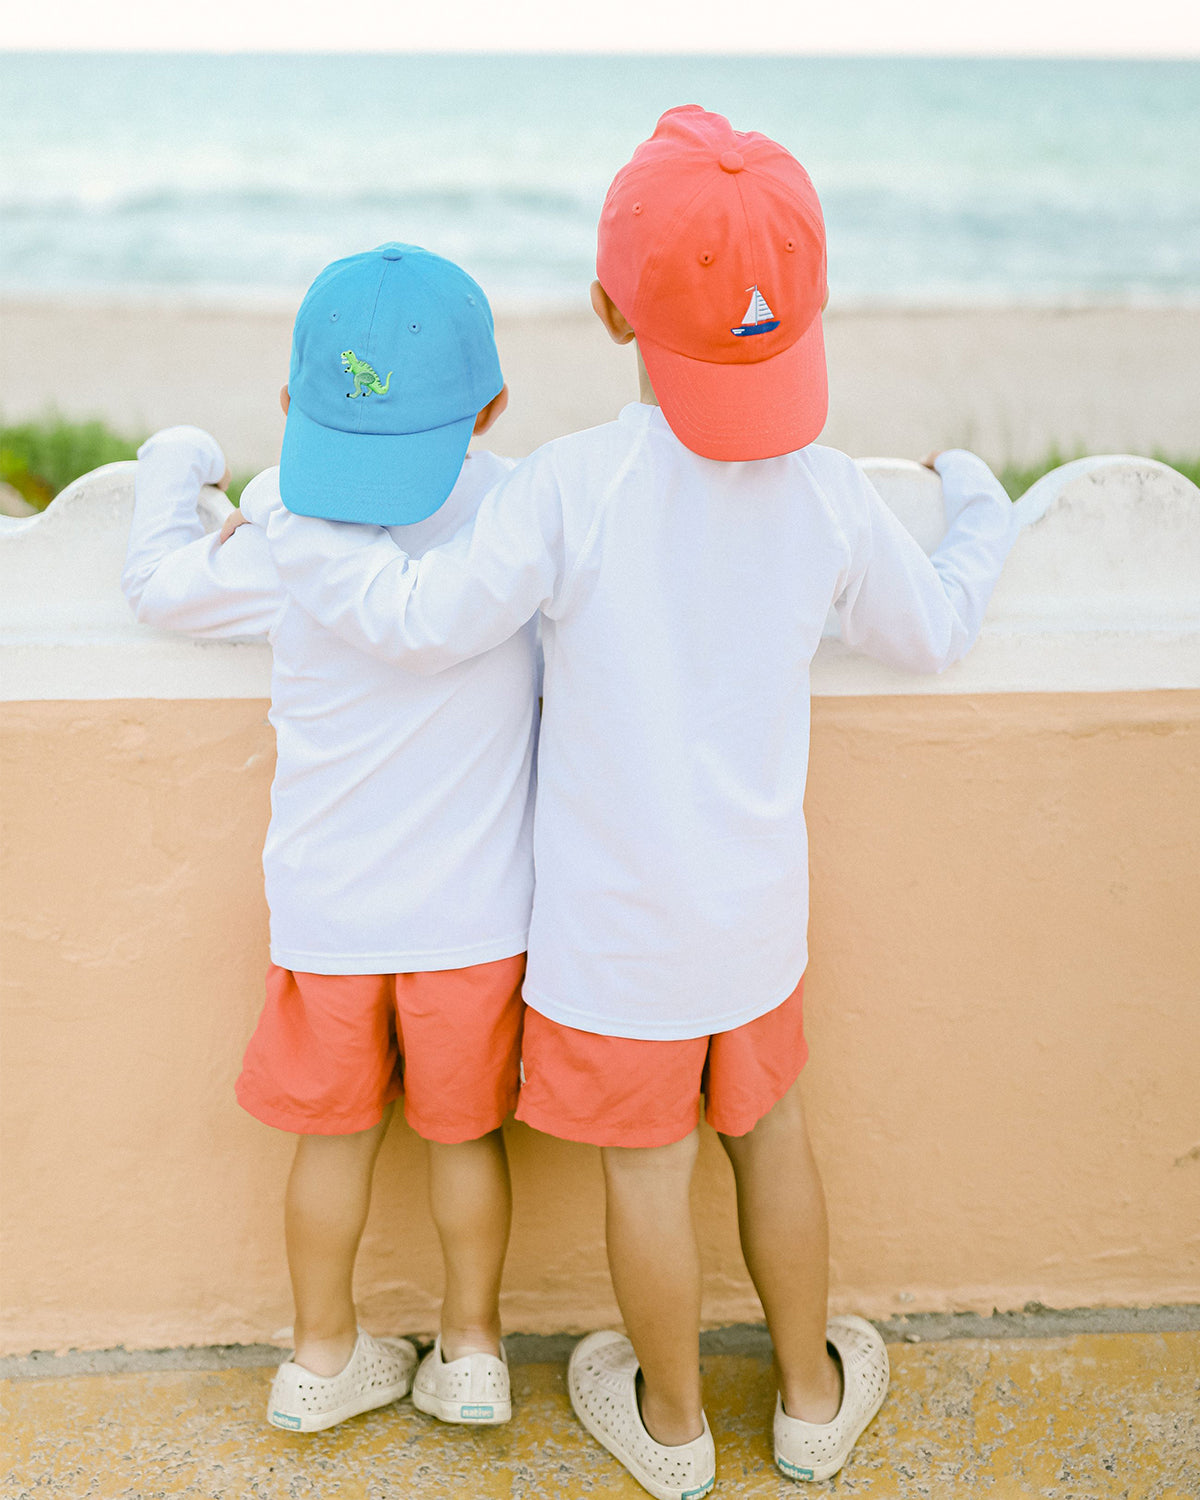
(393, 358)
(712, 244)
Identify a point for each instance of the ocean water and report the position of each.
(943, 181)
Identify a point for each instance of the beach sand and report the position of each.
(1010, 383)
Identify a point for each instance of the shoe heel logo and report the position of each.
(478, 1413)
(794, 1470)
(282, 1419)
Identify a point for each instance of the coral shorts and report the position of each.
(331, 1051)
(618, 1091)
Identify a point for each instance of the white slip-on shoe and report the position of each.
(602, 1380)
(473, 1389)
(378, 1371)
(817, 1450)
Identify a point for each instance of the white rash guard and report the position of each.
(402, 805)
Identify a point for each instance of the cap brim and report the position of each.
(736, 412)
(383, 478)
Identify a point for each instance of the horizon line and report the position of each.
(915, 55)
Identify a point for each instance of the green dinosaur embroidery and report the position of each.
(365, 378)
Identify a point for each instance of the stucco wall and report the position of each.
(1003, 998)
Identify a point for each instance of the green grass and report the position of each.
(1017, 478)
(41, 458)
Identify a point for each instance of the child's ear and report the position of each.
(492, 411)
(610, 315)
(285, 398)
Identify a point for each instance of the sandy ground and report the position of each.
(1012, 384)
(1106, 1417)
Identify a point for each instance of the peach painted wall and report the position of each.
(1003, 1000)
(1003, 1011)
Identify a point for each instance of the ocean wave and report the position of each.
(256, 200)
(941, 180)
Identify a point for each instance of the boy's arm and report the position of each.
(921, 613)
(455, 601)
(176, 577)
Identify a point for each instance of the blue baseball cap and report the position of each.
(393, 358)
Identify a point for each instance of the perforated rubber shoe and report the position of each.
(602, 1380)
(817, 1450)
(472, 1390)
(379, 1371)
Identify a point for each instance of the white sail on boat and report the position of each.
(759, 317)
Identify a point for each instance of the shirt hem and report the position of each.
(566, 1015)
(407, 962)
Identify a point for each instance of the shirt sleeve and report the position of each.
(456, 600)
(918, 613)
(178, 578)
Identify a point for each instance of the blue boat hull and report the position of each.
(747, 328)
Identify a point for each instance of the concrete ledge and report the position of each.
(1102, 592)
(66, 631)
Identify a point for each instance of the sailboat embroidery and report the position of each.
(759, 317)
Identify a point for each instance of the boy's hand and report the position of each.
(232, 522)
(226, 478)
(931, 458)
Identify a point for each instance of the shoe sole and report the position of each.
(827, 1470)
(286, 1422)
(463, 1413)
(659, 1491)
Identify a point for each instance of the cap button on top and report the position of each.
(731, 161)
(393, 252)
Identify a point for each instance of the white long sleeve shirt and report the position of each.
(402, 805)
(682, 600)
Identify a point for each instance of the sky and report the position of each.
(1084, 28)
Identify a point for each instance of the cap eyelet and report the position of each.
(637, 208)
(789, 244)
(414, 328)
(705, 257)
(333, 317)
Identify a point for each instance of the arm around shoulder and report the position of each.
(455, 601)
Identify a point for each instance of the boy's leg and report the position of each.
(655, 1265)
(638, 1396)
(471, 1200)
(328, 1195)
(785, 1239)
(461, 1032)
